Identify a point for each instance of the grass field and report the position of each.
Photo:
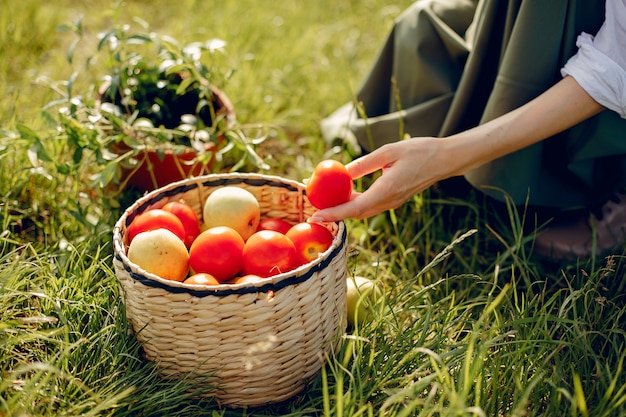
(474, 324)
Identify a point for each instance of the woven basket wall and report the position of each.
(259, 342)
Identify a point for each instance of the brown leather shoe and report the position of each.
(578, 234)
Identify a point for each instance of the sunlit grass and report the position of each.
(472, 324)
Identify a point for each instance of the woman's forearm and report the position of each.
(411, 166)
(559, 108)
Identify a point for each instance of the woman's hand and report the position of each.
(408, 167)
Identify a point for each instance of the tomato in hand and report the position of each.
(217, 251)
(267, 253)
(310, 239)
(188, 218)
(274, 223)
(329, 185)
(155, 219)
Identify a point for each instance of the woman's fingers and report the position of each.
(369, 163)
(343, 211)
(381, 196)
(408, 167)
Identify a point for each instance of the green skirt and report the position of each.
(449, 65)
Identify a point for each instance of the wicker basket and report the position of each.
(261, 342)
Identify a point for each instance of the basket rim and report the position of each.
(208, 180)
(274, 283)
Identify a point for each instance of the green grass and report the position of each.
(473, 324)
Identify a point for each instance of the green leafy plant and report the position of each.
(156, 101)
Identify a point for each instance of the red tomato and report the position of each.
(155, 219)
(267, 253)
(310, 239)
(217, 251)
(188, 217)
(274, 223)
(202, 279)
(329, 185)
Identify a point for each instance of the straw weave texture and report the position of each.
(260, 343)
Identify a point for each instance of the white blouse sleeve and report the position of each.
(599, 66)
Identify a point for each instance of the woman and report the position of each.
(510, 95)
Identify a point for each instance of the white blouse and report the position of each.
(599, 66)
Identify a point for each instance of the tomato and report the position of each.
(268, 252)
(247, 279)
(217, 251)
(160, 252)
(329, 185)
(155, 219)
(202, 279)
(274, 223)
(310, 239)
(188, 217)
(362, 296)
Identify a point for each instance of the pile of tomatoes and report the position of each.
(220, 254)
